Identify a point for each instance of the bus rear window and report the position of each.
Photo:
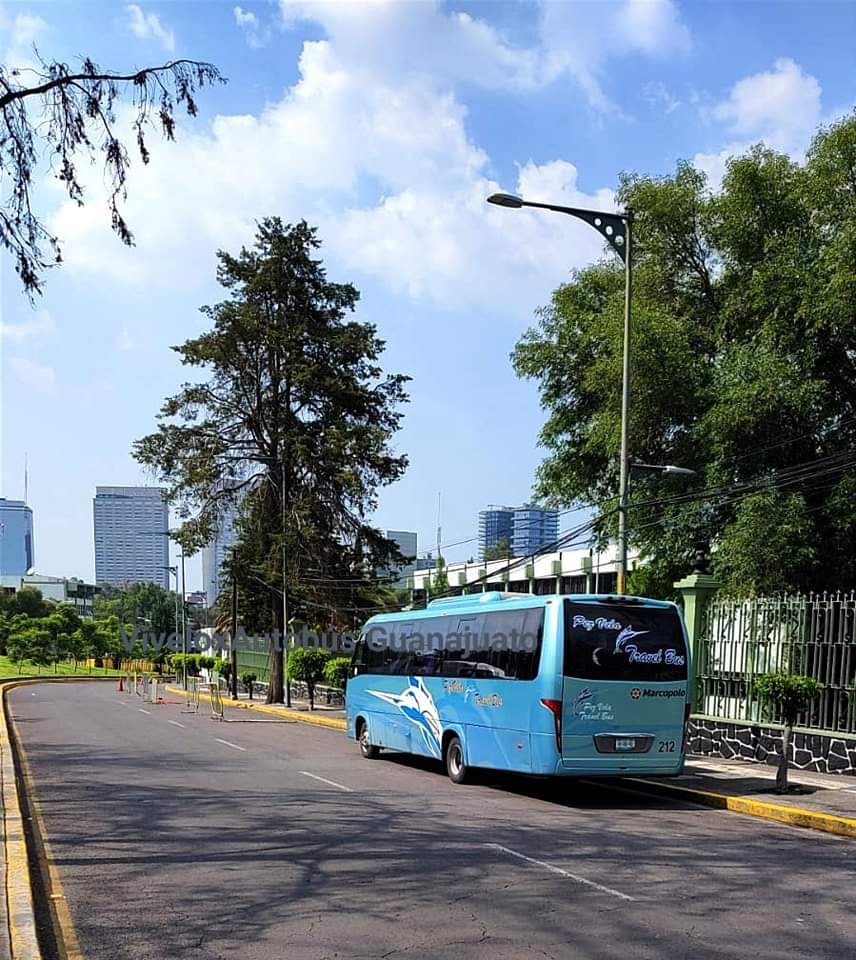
(623, 642)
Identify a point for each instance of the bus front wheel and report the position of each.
(367, 748)
(456, 766)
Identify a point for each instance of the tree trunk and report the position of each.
(782, 773)
(276, 686)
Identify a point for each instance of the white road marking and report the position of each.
(143, 711)
(175, 723)
(332, 783)
(234, 746)
(561, 872)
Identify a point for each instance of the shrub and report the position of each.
(785, 695)
(307, 665)
(205, 662)
(336, 671)
(248, 678)
(223, 668)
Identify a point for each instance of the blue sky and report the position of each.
(386, 124)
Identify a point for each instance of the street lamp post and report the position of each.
(183, 618)
(615, 228)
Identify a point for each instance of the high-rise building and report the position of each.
(495, 524)
(214, 555)
(16, 538)
(131, 535)
(406, 541)
(525, 529)
(532, 529)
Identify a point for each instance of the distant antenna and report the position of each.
(26, 479)
(439, 528)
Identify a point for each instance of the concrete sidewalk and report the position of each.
(818, 801)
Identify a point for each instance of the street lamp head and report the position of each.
(505, 200)
(681, 471)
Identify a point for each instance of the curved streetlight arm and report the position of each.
(611, 226)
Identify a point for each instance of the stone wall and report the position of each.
(822, 754)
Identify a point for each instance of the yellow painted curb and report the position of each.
(334, 723)
(21, 920)
(22, 935)
(794, 816)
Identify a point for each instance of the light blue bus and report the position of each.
(584, 685)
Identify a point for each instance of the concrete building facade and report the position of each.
(131, 535)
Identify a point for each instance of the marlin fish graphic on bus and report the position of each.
(417, 704)
(628, 633)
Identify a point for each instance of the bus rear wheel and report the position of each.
(367, 748)
(456, 766)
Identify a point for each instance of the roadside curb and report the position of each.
(20, 914)
(793, 816)
(333, 723)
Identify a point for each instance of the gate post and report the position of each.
(696, 590)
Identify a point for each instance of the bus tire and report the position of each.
(456, 766)
(367, 749)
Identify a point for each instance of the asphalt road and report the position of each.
(176, 836)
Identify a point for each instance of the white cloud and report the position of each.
(409, 39)
(657, 94)
(780, 107)
(254, 32)
(40, 323)
(386, 170)
(245, 18)
(31, 373)
(19, 34)
(582, 39)
(148, 26)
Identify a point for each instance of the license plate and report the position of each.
(625, 743)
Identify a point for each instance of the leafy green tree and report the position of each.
(294, 421)
(33, 643)
(785, 696)
(30, 602)
(501, 550)
(10, 623)
(146, 604)
(307, 664)
(438, 582)
(744, 336)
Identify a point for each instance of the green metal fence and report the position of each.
(812, 635)
(258, 663)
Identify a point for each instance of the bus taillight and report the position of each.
(555, 707)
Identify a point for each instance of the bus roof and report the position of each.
(495, 600)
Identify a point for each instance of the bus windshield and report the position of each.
(623, 642)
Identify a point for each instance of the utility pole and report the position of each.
(233, 652)
(624, 467)
(284, 586)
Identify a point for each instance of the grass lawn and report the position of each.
(10, 670)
